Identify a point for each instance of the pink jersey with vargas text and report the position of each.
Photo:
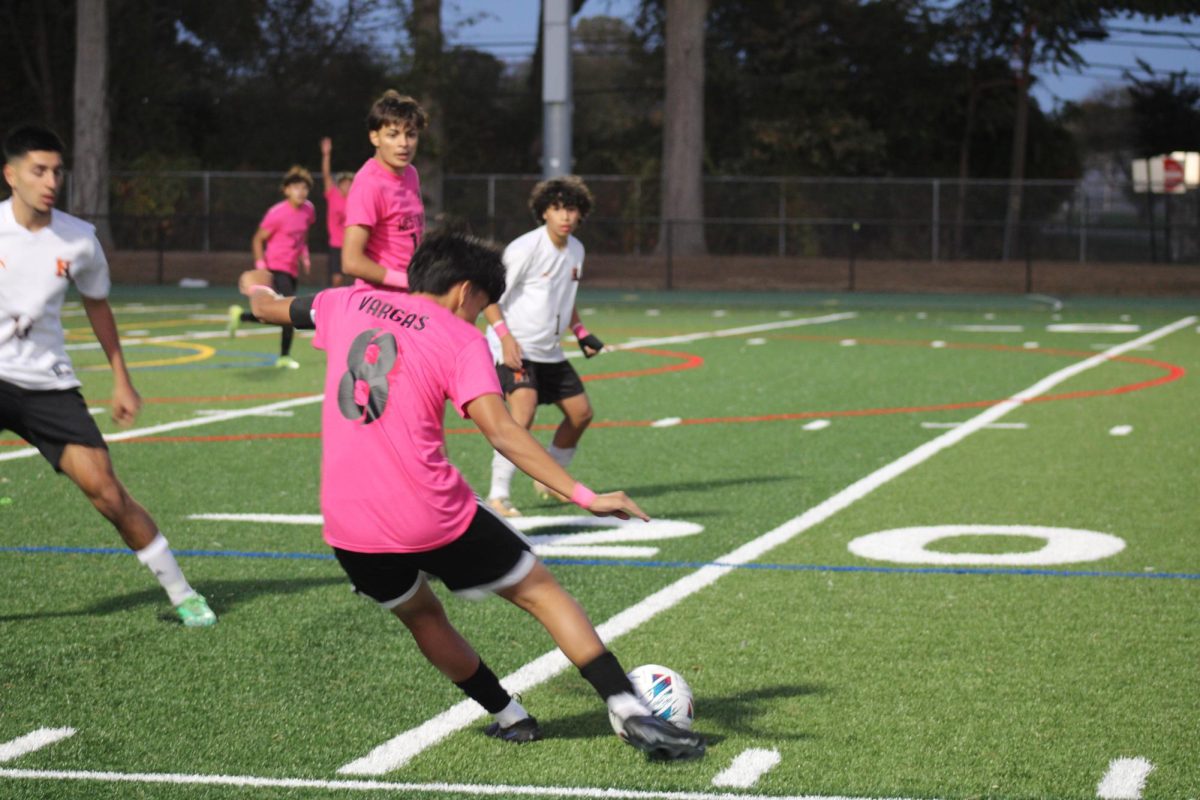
(288, 225)
(392, 362)
(390, 205)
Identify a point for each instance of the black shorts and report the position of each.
(335, 261)
(48, 420)
(553, 381)
(490, 555)
(284, 283)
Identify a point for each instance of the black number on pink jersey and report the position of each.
(363, 391)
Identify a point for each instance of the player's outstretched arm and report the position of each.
(357, 264)
(512, 441)
(326, 163)
(126, 403)
(266, 304)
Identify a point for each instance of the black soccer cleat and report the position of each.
(662, 741)
(526, 730)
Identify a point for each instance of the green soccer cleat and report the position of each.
(287, 362)
(195, 613)
(235, 321)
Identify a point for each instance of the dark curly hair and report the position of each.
(568, 191)
(393, 108)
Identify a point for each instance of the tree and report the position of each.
(89, 177)
(1166, 114)
(425, 31)
(683, 128)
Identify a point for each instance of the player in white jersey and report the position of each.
(42, 250)
(525, 328)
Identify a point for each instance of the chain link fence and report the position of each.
(934, 220)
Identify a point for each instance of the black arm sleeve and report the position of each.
(302, 313)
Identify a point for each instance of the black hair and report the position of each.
(446, 259)
(27, 138)
(568, 191)
(297, 174)
(397, 109)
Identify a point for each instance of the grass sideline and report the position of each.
(871, 678)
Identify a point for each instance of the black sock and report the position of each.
(248, 317)
(605, 675)
(484, 688)
(285, 340)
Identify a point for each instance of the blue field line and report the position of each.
(607, 562)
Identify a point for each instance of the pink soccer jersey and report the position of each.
(288, 225)
(335, 215)
(392, 362)
(390, 205)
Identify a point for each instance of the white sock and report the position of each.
(511, 714)
(502, 475)
(561, 455)
(626, 705)
(157, 556)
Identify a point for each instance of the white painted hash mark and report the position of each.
(666, 422)
(816, 425)
(36, 740)
(402, 748)
(1121, 430)
(747, 768)
(1125, 779)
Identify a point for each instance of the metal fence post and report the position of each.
(935, 214)
(782, 218)
(207, 210)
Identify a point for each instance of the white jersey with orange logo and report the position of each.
(539, 295)
(36, 268)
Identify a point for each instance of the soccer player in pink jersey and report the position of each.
(336, 191)
(42, 252)
(280, 247)
(396, 510)
(385, 216)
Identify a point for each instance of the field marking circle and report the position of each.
(1063, 545)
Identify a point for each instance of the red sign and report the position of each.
(1172, 175)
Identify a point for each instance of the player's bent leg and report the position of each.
(559, 613)
(577, 416)
(522, 405)
(439, 641)
(92, 471)
(445, 648)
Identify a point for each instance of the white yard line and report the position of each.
(402, 789)
(35, 740)
(259, 410)
(193, 422)
(1125, 779)
(399, 750)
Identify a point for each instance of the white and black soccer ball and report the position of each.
(666, 693)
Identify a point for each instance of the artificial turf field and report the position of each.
(1026, 623)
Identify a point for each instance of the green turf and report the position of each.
(871, 678)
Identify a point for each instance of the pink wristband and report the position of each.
(501, 329)
(582, 496)
(260, 263)
(396, 279)
(579, 331)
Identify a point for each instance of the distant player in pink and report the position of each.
(385, 217)
(280, 247)
(336, 190)
(396, 511)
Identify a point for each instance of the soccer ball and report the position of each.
(665, 691)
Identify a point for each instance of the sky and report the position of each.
(508, 29)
